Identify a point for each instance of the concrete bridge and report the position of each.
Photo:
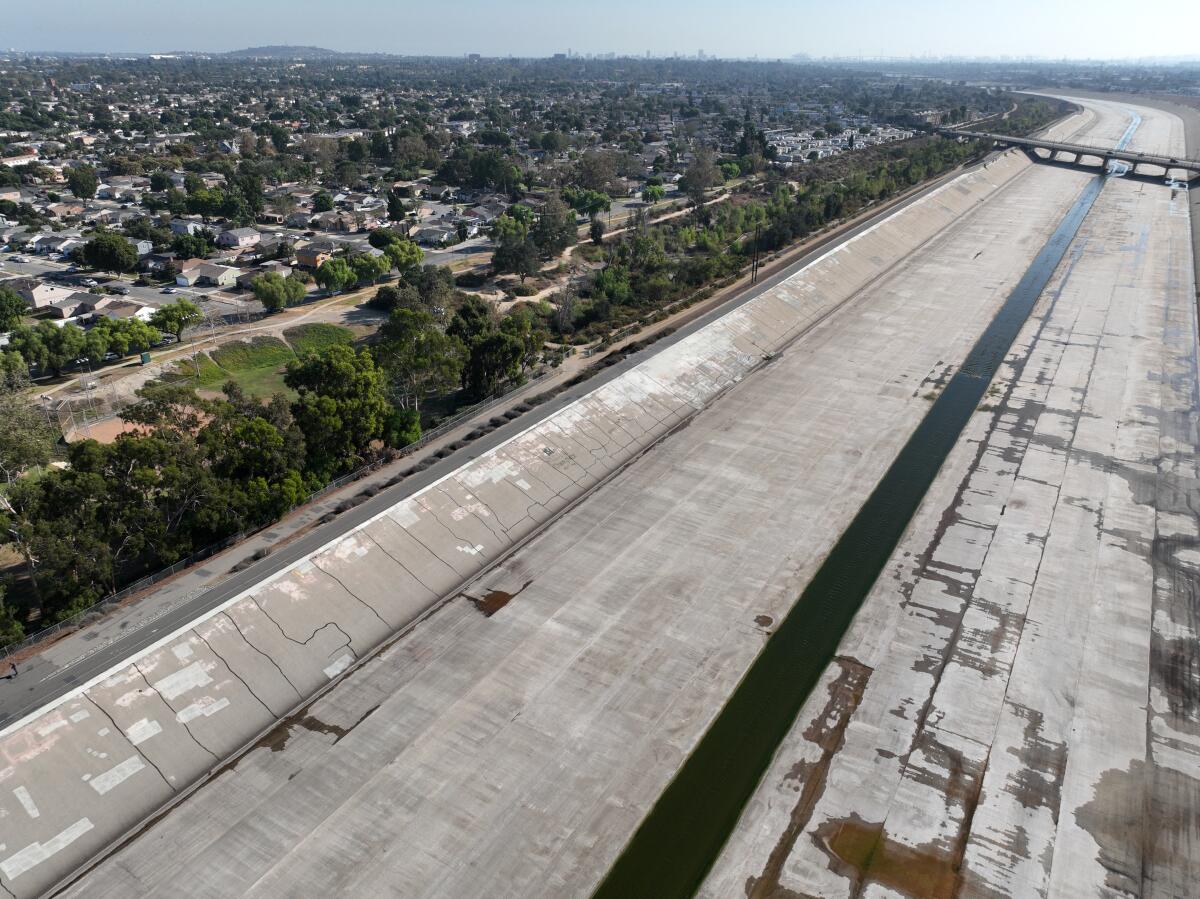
(1186, 168)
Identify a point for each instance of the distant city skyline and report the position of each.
(1050, 29)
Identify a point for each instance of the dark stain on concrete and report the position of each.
(860, 849)
(1038, 782)
(277, 738)
(495, 600)
(828, 731)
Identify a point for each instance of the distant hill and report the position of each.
(285, 52)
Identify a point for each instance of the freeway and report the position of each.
(45, 683)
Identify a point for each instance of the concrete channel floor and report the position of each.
(508, 741)
(1014, 711)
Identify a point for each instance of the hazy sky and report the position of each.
(767, 28)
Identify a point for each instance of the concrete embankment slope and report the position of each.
(82, 773)
(1014, 712)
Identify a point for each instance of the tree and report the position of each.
(526, 261)
(418, 358)
(701, 175)
(26, 439)
(12, 309)
(110, 252)
(334, 274)
(175, 317)
(510, 234)
(83, 181)
(341, 408)
(258, 460)
(652, 193)
(283, 204)
(11, 629)
(276, 292)
(493, 360)
(526, 327)
(380, 238)
(14, 371)
(472, 321)
(587, 202)
(555, 229)
(47, 346)
(402, 253)
(322, 202)
(597, 170)
(554, 142)
(369, 267)
(189, 246)
(396, 209)
(596, 231)
(120, 336)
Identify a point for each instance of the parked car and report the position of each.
(169, 290)
(122, 290)
(90, 282)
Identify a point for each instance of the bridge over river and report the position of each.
(1189, 168)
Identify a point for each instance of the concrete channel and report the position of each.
(1012, 712)
(510, 740)
(678, 841)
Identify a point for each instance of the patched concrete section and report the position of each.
(1030, 724)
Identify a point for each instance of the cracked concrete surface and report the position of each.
(513, 753)
(1030, 725)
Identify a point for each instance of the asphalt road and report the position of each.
(19, 699)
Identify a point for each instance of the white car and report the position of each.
(17, 259)
(169, 290)
(90, 282)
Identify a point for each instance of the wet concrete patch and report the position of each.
(828, 731)
(860, 850)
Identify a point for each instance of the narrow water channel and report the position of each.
(670, 853)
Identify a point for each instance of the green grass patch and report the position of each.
(255, 365)
(317, 337)
(199, 369)
(259, 352)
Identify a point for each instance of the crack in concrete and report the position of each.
(387, 553)
(174, 711)
(355, 596)
(241, 679)
(116, 727)
(266, 656)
